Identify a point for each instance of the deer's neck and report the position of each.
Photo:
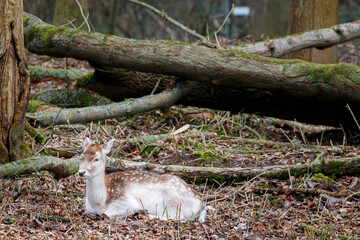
(96, 193)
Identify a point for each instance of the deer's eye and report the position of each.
(96, 159)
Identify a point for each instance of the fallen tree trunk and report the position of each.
(292, 89)
(96, 113)
(63, 168)
(231, 68)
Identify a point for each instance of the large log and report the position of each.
(295, 89)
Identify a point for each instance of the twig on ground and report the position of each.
(252, 181)
(352, 114)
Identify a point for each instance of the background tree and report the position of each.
(268, 18)
(309, 15)
(14, 81)
(112, 16)
(68, 10)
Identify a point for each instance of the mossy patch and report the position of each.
(319, 177)
(71, 98)
(34, 105)
(85, 79)
(327, 73)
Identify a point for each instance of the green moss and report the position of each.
(319, 177)
(257, 58)
(207, 156)
(148, 167)
(327, 73)
(7, 220)
(85, 79)
(39, 138)
(216, 179)
(337, 30)
(33, 105)
(71, 98)
(26, 149)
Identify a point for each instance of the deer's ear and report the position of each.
(86, 143)
(107, 146)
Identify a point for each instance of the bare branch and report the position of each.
(83, 15)
(162, 14)
(322, 38)
(128, 107)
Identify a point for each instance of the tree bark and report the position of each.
(14, 82)
(313, 14)
(112, 16)
(268, 17)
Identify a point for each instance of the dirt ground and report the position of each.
(310, 206)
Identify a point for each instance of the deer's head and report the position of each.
(93, 158)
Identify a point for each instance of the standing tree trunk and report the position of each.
(269, 17)
(68, 10)
(112, 16)
(309, 15)
(14, 81)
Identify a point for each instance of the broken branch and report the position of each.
(132, 106)
(162, 14)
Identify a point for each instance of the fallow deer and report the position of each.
(119, 194)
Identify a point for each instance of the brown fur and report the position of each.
(92, 150)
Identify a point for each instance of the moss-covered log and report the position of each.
(63, 168)
(296, 89)
(55, 165)
(329, 167)
(231, 68)
(38, 73)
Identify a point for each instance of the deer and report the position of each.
(119, 194)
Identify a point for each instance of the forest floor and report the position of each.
(39, 206)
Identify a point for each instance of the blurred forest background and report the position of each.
(267, 18)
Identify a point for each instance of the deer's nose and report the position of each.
(81, 173)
